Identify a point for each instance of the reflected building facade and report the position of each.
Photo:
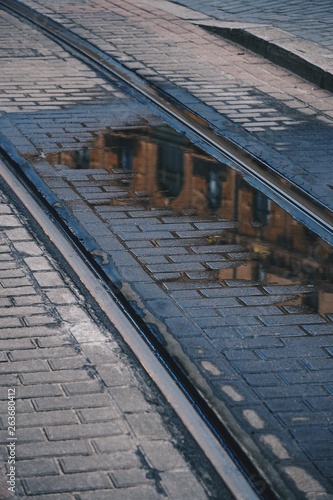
(165, 170)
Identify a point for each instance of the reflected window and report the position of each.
(170, 169)
(261, 208)
(215, 174)
(82, 158)
(125, 148)
(214, 190)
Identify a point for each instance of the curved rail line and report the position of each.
(256, 172)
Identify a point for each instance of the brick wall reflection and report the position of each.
(167, 169)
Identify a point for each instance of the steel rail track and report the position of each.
(254, 170)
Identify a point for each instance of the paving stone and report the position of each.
(88, 415)
(53, 449)
(230, 292)
(297, 390)
(276, 331)
(284, 365)
(39, 391)
(88, 400)
(48, 279)
(293, 319)
(147, 425)
(63, 375)
(192, 488)
(142, 491)
(46, 418)
(182, 328)
(227, 321)
(326, 329)
(42, 353)
(129, 477)
(249, 311)
(28, 249)
(130, 399)
(73, 482)
(115, 460)
(113, 444)
(59, 433)
(89, 387)
(45, 467)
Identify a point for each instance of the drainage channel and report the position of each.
(302, 208)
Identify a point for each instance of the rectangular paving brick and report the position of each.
(27, 332)
(129, 477)
(65, 375)
(114, 461)
(216, 248)
(39, 319)
(266, 299)
(86, 401)
(250, 311)
(48, 278)
(326, 329)
(72, 482)
(63, 432)
(153, 251)
(88, 387)
(39, 419)
(149, 235)
(39, 391)
(227, 321)
(15, 282)
(21, 310)
(319, 450)
(19, 367)
(264, 367)
(292, 319)
(162, 268)
(17, 291)
(14, 344)
(89, 415)
(304, 377)
(296, 390)
(230, 292)
(297, 352)
(8, 220)
(44, 466)
(288, 289)
(57, 352)
(278, 331)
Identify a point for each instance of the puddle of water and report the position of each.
(159, 168)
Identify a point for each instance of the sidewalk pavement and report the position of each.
(296, 34)
(260, 349)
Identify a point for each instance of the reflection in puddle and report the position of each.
(156, 167)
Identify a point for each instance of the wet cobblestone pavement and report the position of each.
(240, 291)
